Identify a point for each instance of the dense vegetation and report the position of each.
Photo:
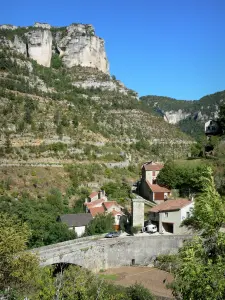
(185, 176)
(199, 266)
(41, 216)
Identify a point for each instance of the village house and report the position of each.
(148, 188)
(76, 222)
(212, 127)
(168, 215)
(97, 203)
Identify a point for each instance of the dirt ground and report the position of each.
(153, 279)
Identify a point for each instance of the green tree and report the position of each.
(199, 271)
(119, 191)
(80, 284)
(198, 275)
(169, 176)
(41, 215)
(100, 224)
(222, 117)
(19, 270)
(209, 210)
(56, 61)
(8, 144)
(138, 292)
(186, 178)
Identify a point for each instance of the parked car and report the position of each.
(112, 234)
(151, 228)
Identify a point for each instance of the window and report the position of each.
(118, 217)
(166, 214)
(187, 214)
(153, 173)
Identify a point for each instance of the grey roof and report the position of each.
(75, 220)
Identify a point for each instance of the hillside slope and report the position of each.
(190, 116)
(57, 115)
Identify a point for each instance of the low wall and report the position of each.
(109, 253)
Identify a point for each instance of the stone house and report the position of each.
(76, 222)
(168, 215)
(99, 204)
(212, 127)
(148, 188)
(97, 195)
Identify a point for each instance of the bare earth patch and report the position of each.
(153, 279)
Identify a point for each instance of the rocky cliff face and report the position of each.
(174, 117)
(76, 44)
(39, 46)
(82, 47)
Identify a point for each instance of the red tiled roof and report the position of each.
(93, 203)
(151, 166)
(157, 188)
(114, 213)
(93, 194)
(108, 204)
(169, 205)
(96, 210)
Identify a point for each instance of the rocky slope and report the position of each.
(76, 44)
(57, 115)
(190, 116)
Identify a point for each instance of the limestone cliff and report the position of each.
(82, 47)
(76, 44)
(39, 46)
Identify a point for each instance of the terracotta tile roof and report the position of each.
(151, 166)
(157, 188)
(93, 194)
(115, 213)
(94, 203)
(96, 210)
(169, 205)
(108, 204)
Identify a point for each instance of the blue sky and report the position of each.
(172, 48)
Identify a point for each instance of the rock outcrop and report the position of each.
(39, 46)
(76, 44)
(174, 117)
(8, 27)
(82, 47)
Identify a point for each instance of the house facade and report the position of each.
(97, 203)
(212, 128)
(169, 215)
(76, 222)
(148, 188)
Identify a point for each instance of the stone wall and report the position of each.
(109, 253)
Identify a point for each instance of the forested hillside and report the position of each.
(190, 116)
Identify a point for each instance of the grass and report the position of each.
(108, 276)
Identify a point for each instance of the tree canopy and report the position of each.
(41, 216)
(19, 270)
(102, 223)
(199, 266)
(182, 177)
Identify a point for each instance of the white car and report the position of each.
(151, 228)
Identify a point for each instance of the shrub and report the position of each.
(100, 224)
(138, 292)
